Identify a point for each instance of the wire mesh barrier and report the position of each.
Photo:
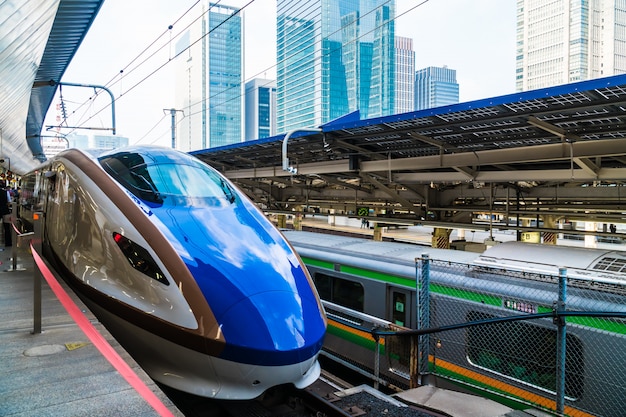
(571, 365)
(550, 342)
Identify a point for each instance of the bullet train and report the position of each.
(361, 281)
(182, 269)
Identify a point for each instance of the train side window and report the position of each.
(399, 308)
(323, 284)
(512, 353)
(340, 291)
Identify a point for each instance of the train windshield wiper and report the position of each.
(230, 194)
(157, 195)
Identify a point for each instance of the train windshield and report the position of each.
(156, 181)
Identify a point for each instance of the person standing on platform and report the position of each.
(5, 211)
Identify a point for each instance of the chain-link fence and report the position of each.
(550, 342)
(569, 364)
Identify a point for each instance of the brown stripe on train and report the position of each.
(212, 340)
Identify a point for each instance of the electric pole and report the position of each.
(173, 114)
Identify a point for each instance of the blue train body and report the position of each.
(186, 272)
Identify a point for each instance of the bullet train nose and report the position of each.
(273, 328)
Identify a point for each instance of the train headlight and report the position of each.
(139, 258)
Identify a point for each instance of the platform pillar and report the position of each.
(549, 222)
(378, 233)
(590, 240)
(282, 221)
(297, 222)
(441, 238)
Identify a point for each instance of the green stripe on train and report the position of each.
(480, 388)
(605, 324)
(436, 288)
(353, 338)
(592, 322)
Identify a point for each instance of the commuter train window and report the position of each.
(399, 313)
(525, 352)
(340, 291)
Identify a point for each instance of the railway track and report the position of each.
(330, 396)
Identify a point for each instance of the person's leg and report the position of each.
(7, 234)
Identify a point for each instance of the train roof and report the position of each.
(370, 249)
(586, 263)
(549, 258)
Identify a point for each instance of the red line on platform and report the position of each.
(99, 341)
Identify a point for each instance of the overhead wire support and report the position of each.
(112, 128)
(173, 112)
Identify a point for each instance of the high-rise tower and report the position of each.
(434, 87)
(564, 41)
(333, 57)
(260, 108)
(209, 88)
(405, 75)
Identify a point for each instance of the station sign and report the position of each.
(531, 237)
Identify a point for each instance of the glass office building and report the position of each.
(260, 108)
(565, 41)
(435, 87)
(209, 89)
(405, 75)
(333, 57)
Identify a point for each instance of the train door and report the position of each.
(401, 307)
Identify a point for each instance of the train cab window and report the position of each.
(340, 291)
(155, 181)
(507, 349)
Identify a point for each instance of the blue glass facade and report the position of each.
(260, 108)
(334, 57)
(435, 87)
(225, 75)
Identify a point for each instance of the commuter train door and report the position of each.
(401, 307)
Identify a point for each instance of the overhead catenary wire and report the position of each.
(171, 58)
(152, 73)
(190, 106)
(125, 71)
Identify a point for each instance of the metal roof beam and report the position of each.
(469, 173)
(331, 167)
(565, 175)
(587, 165)
(539, 153)
(332, 180)
(392, 193)
(439, 144)
(362, 151)
(550, 128)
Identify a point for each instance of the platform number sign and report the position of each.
(363, 211)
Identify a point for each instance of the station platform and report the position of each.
(59, 372)
(472, 241)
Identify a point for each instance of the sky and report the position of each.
(474, 37)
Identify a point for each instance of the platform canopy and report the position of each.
(38, 39)
(566, 136)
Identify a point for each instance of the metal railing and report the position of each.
(551, 342)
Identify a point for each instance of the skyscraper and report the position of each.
(434, 87)
(260, 108)
(209, 88)
(405, 75)
(564, 41)
(333, 57)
